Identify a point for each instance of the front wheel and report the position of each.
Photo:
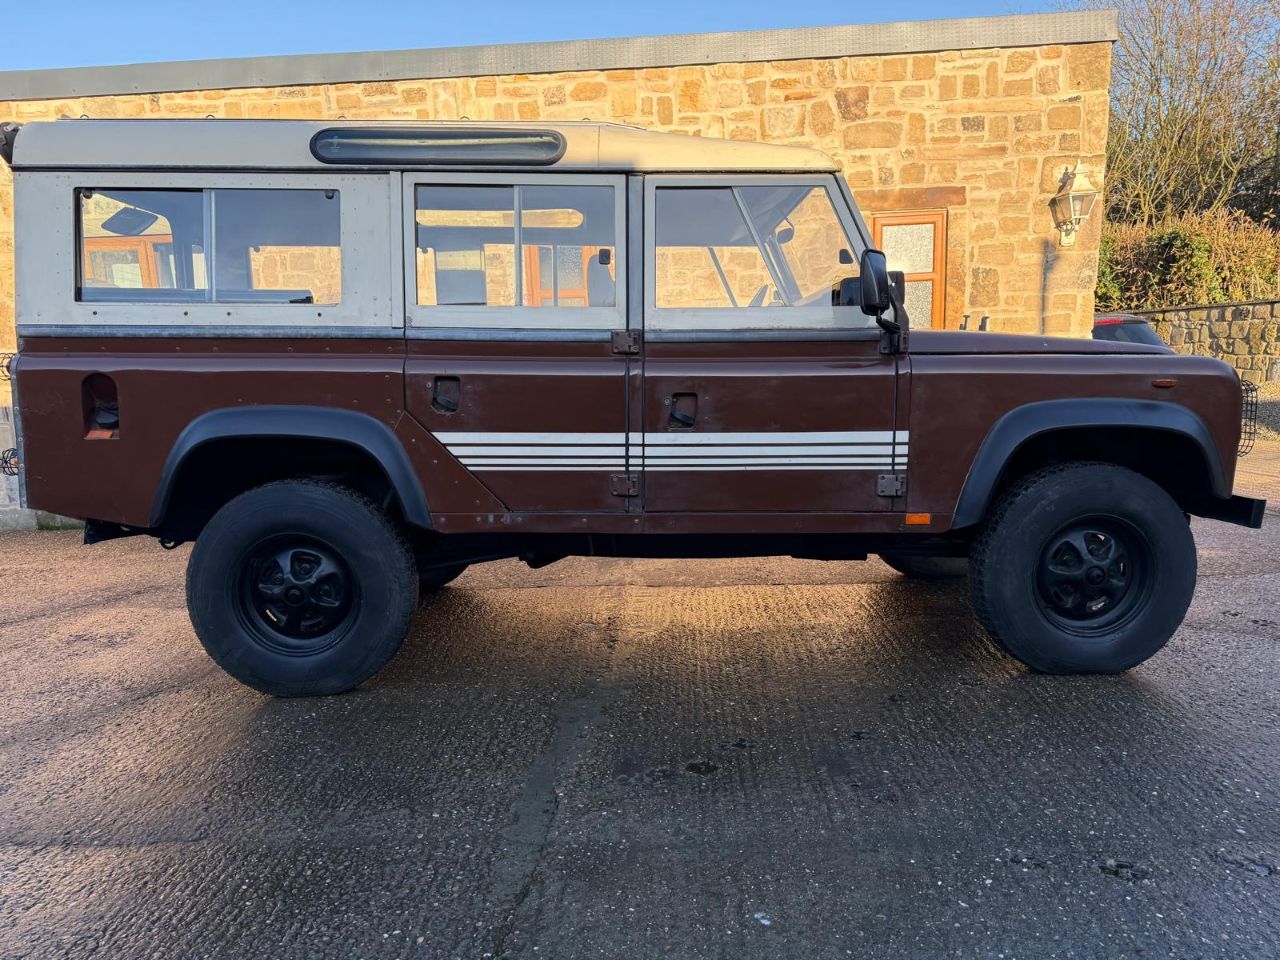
(1083, 568)
(301, 588)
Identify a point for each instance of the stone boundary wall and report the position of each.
(1246, 335)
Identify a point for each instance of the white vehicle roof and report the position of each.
(287, 145)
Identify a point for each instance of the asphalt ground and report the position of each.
(638, 759)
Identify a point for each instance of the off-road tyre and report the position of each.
(301, 588)
(927, 568)
(432, 580)
(1134, 580)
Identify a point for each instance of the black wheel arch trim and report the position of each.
(1031, 420)
(299, 422)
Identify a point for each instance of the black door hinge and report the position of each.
(626, 341)
(891, 485)
(624, 484)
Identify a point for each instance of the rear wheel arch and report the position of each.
(1166, 442)
(225, 452)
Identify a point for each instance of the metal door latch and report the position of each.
(891, 485)
(624, 484)
(625, 341)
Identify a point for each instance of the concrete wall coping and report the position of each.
(1197, 307)
(917, 36)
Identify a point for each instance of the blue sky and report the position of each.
(75, 33)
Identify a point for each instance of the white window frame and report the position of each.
(523, 322)
(47, 223)
(684, 323)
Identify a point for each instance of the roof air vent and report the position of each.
(445, 146)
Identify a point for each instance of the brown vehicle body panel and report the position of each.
(526, 387)
(950, 397)
(760, 386)
(957, 399)
(164, 384)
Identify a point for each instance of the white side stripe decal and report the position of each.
(670, 451)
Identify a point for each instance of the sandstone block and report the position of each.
(591, 90)
(852, 102)
(783, 122)
(872, 133)
(924, 67)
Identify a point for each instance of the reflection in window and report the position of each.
(269, 246)
(469, 245)
(706, 253)
(749, 247)
(129, 239)
(276, 246)
(799, 224)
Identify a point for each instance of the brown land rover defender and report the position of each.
(348, 360)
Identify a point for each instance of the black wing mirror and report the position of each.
(874, 283)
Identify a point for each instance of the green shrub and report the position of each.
(1205, 258)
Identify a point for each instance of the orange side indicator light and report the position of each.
(1165, 382)
(919, 519)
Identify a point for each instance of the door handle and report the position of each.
(684, 411)
(446, 392)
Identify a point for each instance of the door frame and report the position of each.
(786, 347)
(938, 276)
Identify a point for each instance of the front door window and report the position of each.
(750, 257)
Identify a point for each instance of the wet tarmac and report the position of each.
(624, 759)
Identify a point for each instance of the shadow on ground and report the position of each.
(731, 759)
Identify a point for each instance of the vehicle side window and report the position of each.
(153, 246)
(759, 257)
(521, 246)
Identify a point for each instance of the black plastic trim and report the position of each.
(514, 147)
(8, 136)
(1242, 511)
(1034, 419)
(300, 422)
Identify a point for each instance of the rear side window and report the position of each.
(516, 246)
(209, 246)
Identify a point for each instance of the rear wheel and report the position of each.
(927, 568)
(1083, 568)
(301, 588)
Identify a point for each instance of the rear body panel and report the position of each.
(164, 384)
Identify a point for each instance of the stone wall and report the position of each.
(1246, 335)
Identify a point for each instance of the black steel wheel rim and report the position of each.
(1094, 575)
(296, 594)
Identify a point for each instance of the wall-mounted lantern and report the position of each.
(1072, 203)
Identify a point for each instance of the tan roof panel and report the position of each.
(286, 145)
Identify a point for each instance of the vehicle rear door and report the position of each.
(514, 284)
(760, 393)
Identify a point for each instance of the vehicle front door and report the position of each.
(760, 393)
(513, 286)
